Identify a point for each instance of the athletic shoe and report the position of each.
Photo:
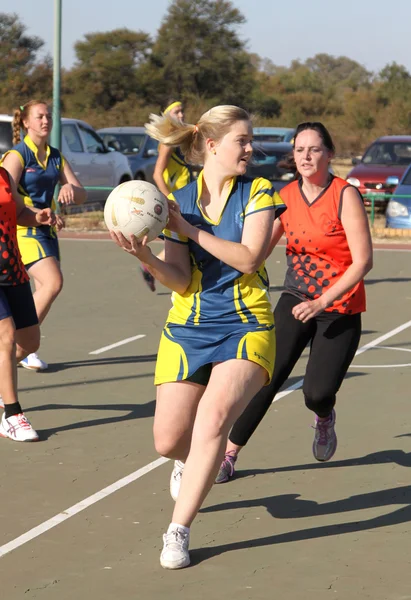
(18, 428)
(34, 363)
(175, 479)
(175, 549)
(149, 279)
(325, 439)
(227, 470)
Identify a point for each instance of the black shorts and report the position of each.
(16, 301)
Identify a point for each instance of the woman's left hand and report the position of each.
(307, 310)
(66, 194)
(176, 222)
(134, 246)
(46, 217)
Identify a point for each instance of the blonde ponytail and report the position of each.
(213, 124)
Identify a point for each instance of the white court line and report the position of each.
(107, 491)
(120, 343)
(76, 508)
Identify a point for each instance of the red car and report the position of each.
(382, 166)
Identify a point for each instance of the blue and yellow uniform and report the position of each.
(224, 314)
(36, 186)
(178, 173)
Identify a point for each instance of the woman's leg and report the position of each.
(8, 364)
(333, 348)
(48, 282)
(232, 384)
(14, 424)
(292, 336)
(176, 408)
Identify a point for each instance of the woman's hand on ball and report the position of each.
(134, 246)
(176, 222)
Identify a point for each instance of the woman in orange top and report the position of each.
(329, 251)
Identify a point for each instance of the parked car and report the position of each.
(273, 134)
(6, 133)
(266, 162)
(398, 213)
(380, 169)
(92, 162)
(140, 149)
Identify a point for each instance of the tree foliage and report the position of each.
(120, 76)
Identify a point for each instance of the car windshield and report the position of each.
(388, 153)
(130, 143)
(269, 137)
(267, 156)
(6, 139)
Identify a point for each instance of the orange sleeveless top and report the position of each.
(12, 271)
(317, 249)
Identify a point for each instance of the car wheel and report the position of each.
(124, 179)
(139, 175)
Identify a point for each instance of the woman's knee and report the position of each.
(55, 285)
(319, 400)
(169, 443)
(7, 336)
(28, 339)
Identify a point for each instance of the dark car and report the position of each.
(380, 169)
(140, 149)
(270, 160)
(398, 214)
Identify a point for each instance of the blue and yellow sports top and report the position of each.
(38, 181)
(217, 292)
(178, 173)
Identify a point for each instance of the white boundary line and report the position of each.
(76, 508)
(107, 491)
(120, 343)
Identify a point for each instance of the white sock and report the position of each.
(180, 464)
(174, 526)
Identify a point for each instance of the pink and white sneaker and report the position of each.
(18, 428)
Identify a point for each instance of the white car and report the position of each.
(92, 162)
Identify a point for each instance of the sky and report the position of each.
(366, 31)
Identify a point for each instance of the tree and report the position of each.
(21, 76)
(198, 53)
(107, 69)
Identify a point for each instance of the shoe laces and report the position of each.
(23, 421)
(228, 463)
(178, 473)
(176, 539)
(322, 426)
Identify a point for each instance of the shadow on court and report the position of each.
(133, 411)
(388, 280)
(397, 457)
(290, 506)
(96, 362)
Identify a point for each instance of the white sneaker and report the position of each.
(175, 549)
(175, 479)
(18, 428)
(34, 363)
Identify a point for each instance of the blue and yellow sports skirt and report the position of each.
(187, 350)
(34, 244)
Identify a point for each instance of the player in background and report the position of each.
(36, 168)
(171, 172)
